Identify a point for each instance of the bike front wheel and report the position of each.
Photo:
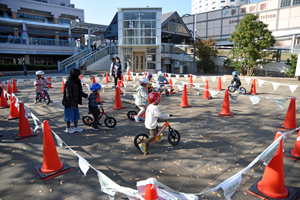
(110, 122)
(243, 90)
(87, 120)
(131, 114)
(47, 98)
(174, 137)
(142, 137)
(167, 92)
(231, 88)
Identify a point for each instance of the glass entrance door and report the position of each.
(139, 62)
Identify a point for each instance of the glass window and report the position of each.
(25, 16)
(142, 62)
(63, 21)
(296, 2)
(131, 32)
(5, 14)
(131, 24)
(38, 18)
(171, 27)
(131, 41)
(232, 0)
(136, 62)
(131, 16)
(151, 50)
(49, 20)
(127, 50)
(148, 32)
(285, 3)
(151, 65)
(148, 40)
(148, 24)
(148, 15)
(151, 57)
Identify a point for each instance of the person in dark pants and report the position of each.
(93, 104)
(72, 97)
(25, 69)
(116, 70)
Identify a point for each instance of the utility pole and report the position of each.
(195, 30)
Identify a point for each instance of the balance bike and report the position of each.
(164, 89)
(173, 136)
(131, 114)
(231, 88)
(110, 122)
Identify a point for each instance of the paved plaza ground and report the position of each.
(211, 149)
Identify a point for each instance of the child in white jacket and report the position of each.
(141, 98)
(152, 115)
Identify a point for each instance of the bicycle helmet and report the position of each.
(40, 72)
(160, 74)
(234, 73)
(144, 81)
(149, 75)
(95, 87)
(154, 98)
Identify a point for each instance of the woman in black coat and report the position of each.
(72, 97)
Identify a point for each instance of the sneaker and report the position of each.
(159, 138)
(136, 119)
(69, 130)
(142, 118)
(143, 147)
(78, 129)
(35, 102)
(95, 128)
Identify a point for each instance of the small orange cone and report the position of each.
(24, 127)
(128, 76)
(271, 185)
(225, 112)
(191, 80)
(206, 92)
(14, 89)
(118, 102)
(99, 99)
(122, 81)
(14, 113)
(119, 86)
(219, 88)
(51, 166)
(253, 88)
(171, 83)
(150, 192)
(184, 99)
(290, 118)
(9, 90)
(166, 75)
(50, 85)
(63, 86)
(80, 76)
(295, 152)
(3, 101)
(106, 79)
(94, 80)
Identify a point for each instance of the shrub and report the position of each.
(19, 67)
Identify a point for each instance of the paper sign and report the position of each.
(184, 83)
(35, 120)
(223, 78)
(83, 165)
(54, 78)
(280, 102)
(213, 78)
(260, 82)
(255, 99)
(169, 75)
(213, 93)
(186, 76)
(297, 73)
(26, 111)
(177, 76)
(197, 85)
(125, 84)
(286, 135)
(293, 88)
(230, 186)
(137, 74)
(174, 81)
(203, 78)
(248, 80)
(134, 85)
(233, 97)
(197, 90)
(133, 78)
(180, 87)
(107, 184)
(194, 77)
(275, 85)
(58, 139)
(268, 155)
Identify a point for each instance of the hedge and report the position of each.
(19, 67)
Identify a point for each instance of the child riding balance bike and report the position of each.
(161, 81)
(141, 100)
(41, 88)
(235, 84)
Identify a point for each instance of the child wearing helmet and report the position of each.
(161, 80)
(149, 86)
(93, 104)
(39, 83)
(141, 98)
(152, 115)
(235, 80)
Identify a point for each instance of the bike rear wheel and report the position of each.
(231, 88)
(167, 92)
(87, 120)
(174, 137)
(140, 138)
(110, 122)
(47, 98)
(131, 114)
(243, 90)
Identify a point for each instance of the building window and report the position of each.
(206, 4)
(200, 6)
(213, 2)
(296, 2)
(232, 0)
(62, 4)
(213, 8)
(222, 1)
(64, 21)
(285, 3)
(5, 14)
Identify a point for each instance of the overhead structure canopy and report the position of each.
(82, 28)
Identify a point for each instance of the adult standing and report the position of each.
(116, 70)
(25, 69)
(72, 97)
(128, 64)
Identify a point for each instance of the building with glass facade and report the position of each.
(200, 6)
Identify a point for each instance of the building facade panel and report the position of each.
(201, 17)
(214, 15)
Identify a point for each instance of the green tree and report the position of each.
(293, 64)
(204, 49)
(249, 39)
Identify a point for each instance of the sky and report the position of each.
(103, 11)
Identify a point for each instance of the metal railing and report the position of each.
(65, 63)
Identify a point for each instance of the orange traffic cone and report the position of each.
(14, 89)
(118, 102)
(99, 99)
(295, 152)
(253, 88)
(191, 80)
(290, 118)
(271, 185)
(184, 99)
(122, 81)
(63, 86)
(3, 101)
(24, 127)
(119, 86)
(219, 88)
(14, 113)
(94, 80)
(51, 166)
(225, 112)
(150, 192)
(166, 75)
(9, 90)
(80, 76)
(128, 76)
(206, 92)
(3, 88)
(171, 83)
(50, 85)
(106, 79)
